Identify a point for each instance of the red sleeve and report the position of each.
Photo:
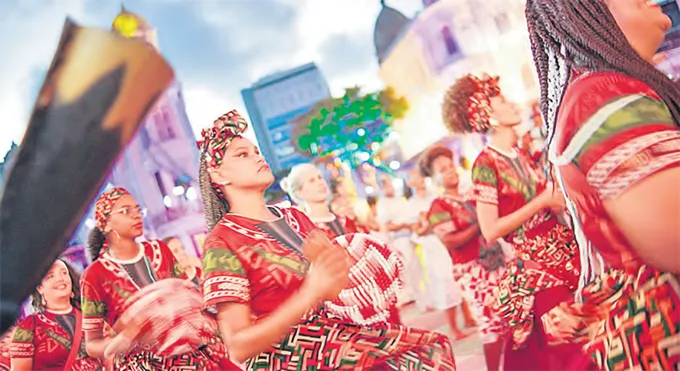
(92, 302)
(22, 340)
(620, 135)
(440, 219)
(485, 180)
(224, 276)
(176, 269)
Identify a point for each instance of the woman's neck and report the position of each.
(251, 205)
(420, 192)
(317, 210)
(59, 305)
(503, 138)
(124, 249)
(452, 191)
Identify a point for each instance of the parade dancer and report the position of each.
(52, 337)
(307, 187)
(258, 278)
(121, 268)
(477, 265)
(613, 122)
(513, 201)
(442, 292)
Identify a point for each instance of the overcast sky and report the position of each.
(217, 47)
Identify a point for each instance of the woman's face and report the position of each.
(126, 218)
(243, 168)
(505, 112)
(642, 22)
(416, 180)
(444, 169)
(314, 188)
(57, 283)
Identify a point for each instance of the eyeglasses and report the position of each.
(131, 211)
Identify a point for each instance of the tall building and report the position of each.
(444, 41)
(274, 101)
(160, 165)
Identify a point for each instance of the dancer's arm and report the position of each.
(455, 240)
(245, 338)
(494, 227)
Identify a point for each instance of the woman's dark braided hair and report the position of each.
(95, 243)
(583, 34)
(214, 205)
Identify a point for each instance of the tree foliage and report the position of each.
(352, 127)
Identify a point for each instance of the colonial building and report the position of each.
(160, 165)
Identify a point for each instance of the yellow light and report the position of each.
(126, 25)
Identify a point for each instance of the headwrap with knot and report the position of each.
(104, 206)
(213, 145)
(475, 113)
(479, 103)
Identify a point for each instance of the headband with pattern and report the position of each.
(479, 103)
(104, 206)
(215, 140)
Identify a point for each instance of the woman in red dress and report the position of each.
(616, 149)
(120, 269)
(514, 202)
(453, 219)
(44, 340)
(270, 281)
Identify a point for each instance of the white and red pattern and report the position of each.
(373, 281)
(485, 194)
(480, 286)
(169, 315)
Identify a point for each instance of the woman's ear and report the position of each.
(216, 177)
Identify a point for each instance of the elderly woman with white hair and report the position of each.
(307, 187)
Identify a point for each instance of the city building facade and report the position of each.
(274, 102)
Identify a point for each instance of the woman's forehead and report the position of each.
(239, 143)
(58, 265)
(125, 200)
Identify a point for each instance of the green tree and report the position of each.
(352, 127)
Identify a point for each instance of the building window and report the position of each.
(450, 43)
(164, 125)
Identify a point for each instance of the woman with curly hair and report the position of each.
(613, 120)
(515, 202)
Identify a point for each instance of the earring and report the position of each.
(73, 295)
(226, 182)
(117, 234)
(43, 301)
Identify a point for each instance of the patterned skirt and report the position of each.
(322, 343)
(627, 321)
(546, 258)
(207, 358)
(479, 286)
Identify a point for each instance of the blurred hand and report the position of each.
(328, 274)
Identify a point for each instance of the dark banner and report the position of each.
(96, 93)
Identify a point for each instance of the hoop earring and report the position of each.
(117, 234)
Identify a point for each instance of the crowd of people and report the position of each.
(565, 261)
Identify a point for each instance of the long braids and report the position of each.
(215, 206)
(577, 34)
(568, 34)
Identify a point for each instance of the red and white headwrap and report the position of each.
(215, 140)
(479, 103)
(104, 206)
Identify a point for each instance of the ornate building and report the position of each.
(447, 39)
(160, 165)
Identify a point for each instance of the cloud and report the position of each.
(29, 34)
(217, 48)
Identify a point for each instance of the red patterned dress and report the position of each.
(46, 339)
(245, 264)
(546, 254)
(614, 131)
(450, 214)
(107, 284)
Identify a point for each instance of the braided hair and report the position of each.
(215, 206)
(579, 34)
